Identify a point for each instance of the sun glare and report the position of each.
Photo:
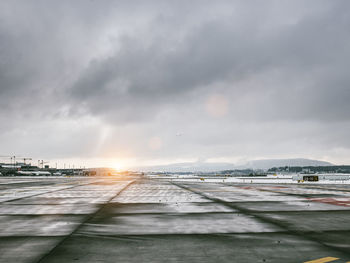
(117, 166)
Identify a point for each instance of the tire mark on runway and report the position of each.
(265, 219)
(48, 254)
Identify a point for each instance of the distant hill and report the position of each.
(188, 167)
(269, 163)
(212, 167)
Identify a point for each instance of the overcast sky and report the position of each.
(151, 82)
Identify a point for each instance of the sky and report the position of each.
(132, 83)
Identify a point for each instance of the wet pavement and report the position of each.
(140, 219)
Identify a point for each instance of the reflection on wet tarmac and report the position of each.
(140, 219)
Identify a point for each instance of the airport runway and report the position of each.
(136, 219)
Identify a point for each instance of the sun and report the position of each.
(117, 166)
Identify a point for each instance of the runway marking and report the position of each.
(322, 260)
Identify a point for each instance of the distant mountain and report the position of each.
(269, 163)
(212, 167)
(188, 167)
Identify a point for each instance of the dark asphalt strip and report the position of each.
(44, 257)
(303, 234)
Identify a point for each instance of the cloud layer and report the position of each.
(171, 81)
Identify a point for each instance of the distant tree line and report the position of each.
(315, 169)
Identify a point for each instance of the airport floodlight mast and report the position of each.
(12, 158)
(41, 163)
(21, 158)
(26, 159)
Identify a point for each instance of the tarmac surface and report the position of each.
(140, 219)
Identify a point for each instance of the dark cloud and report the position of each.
(306, 59)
